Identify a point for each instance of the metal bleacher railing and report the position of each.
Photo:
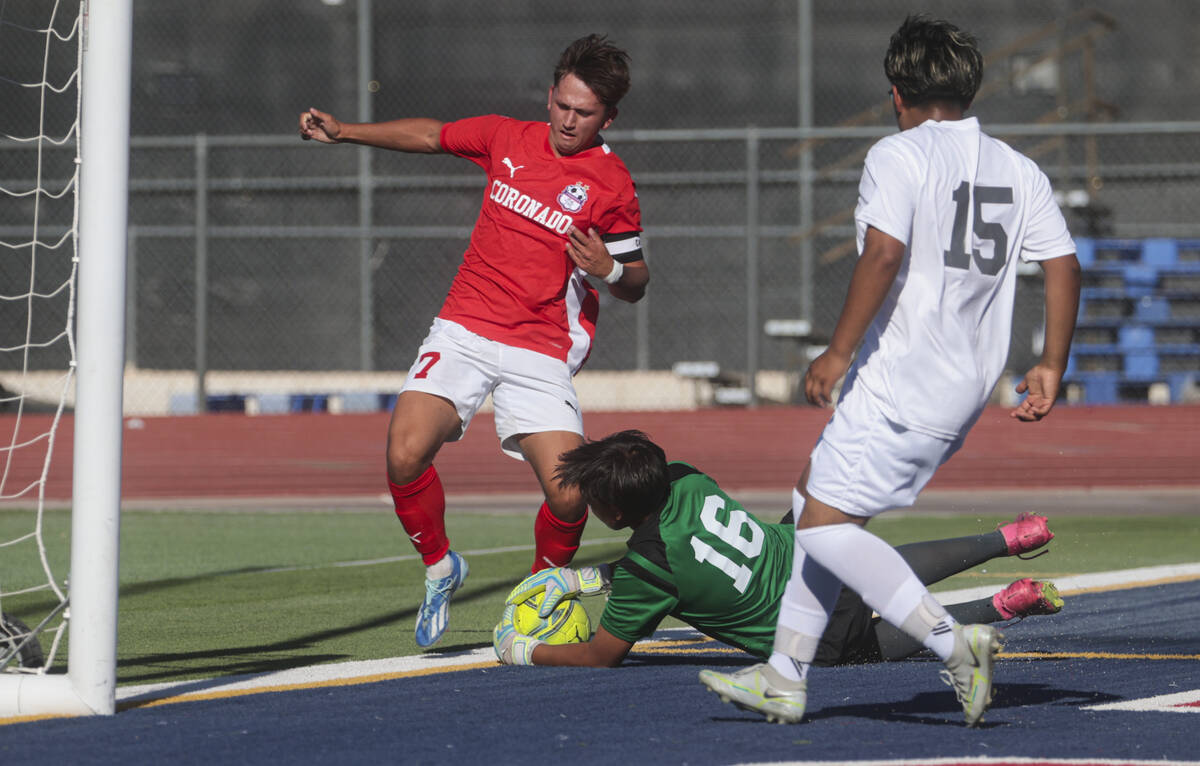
(1138, 334)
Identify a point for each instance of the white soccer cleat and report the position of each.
(760, 689)
(969, 668)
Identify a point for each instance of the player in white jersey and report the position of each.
(944, 212)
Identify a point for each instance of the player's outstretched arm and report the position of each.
(316, 125)
(873, 276)
(604, 651)
(420, 135)
(1041, 384)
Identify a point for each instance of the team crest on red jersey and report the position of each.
(573, 198)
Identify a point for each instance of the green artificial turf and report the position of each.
(219, 593)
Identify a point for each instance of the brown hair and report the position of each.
(602, 66)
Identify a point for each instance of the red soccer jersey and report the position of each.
(516, 284)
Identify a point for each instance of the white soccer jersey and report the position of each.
(966, 205)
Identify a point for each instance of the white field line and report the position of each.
(372, 670)
(415, 556)
(1179, 702)
(1117, 580)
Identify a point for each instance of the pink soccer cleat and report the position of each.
(1027, 533)
(1028, 596)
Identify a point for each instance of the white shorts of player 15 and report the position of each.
(865, 464)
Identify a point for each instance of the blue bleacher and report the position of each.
(226, 403)
(1139, 319)
(362, 401)
(308, 402)
(346, 401)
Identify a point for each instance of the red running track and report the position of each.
(321, 455)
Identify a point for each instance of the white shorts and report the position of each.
(531, 392)
(865, 464)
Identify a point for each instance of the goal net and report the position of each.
(64, 73)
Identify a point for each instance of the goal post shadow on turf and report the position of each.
(88, 687)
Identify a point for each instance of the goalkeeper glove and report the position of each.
(512, 648)
(560, 583)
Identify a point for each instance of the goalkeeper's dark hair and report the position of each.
(601, 66)
(625, 471)
(932, 60)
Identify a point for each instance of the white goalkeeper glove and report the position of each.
(559, 583)
(512, 648)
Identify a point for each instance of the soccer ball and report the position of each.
(14, 633)
(567, 624)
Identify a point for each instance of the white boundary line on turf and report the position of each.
(368, 670)
(314, 675)
(1179, 702)
(415, 556)
(1123, 578)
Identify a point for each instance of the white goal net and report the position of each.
(40, 56)
(64, 77)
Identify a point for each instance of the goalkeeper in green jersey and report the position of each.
(697, 555)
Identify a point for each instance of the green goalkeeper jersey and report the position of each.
(705, 560)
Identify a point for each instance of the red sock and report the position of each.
(555, 540)
(421, 508)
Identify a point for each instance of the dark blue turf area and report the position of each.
(654, 710)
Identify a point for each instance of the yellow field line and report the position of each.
(30, 718)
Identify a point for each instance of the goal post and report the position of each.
(89, 685)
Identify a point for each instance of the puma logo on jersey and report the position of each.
(512, 171)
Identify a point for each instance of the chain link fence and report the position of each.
(252, 252)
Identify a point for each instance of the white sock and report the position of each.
(887, 584)
(442, 568)
(804, 612)
(940, 640)
(789, 668)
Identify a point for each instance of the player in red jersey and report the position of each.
(520, 316)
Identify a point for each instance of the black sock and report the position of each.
(936, 560)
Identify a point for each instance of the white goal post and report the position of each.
(89, 685)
